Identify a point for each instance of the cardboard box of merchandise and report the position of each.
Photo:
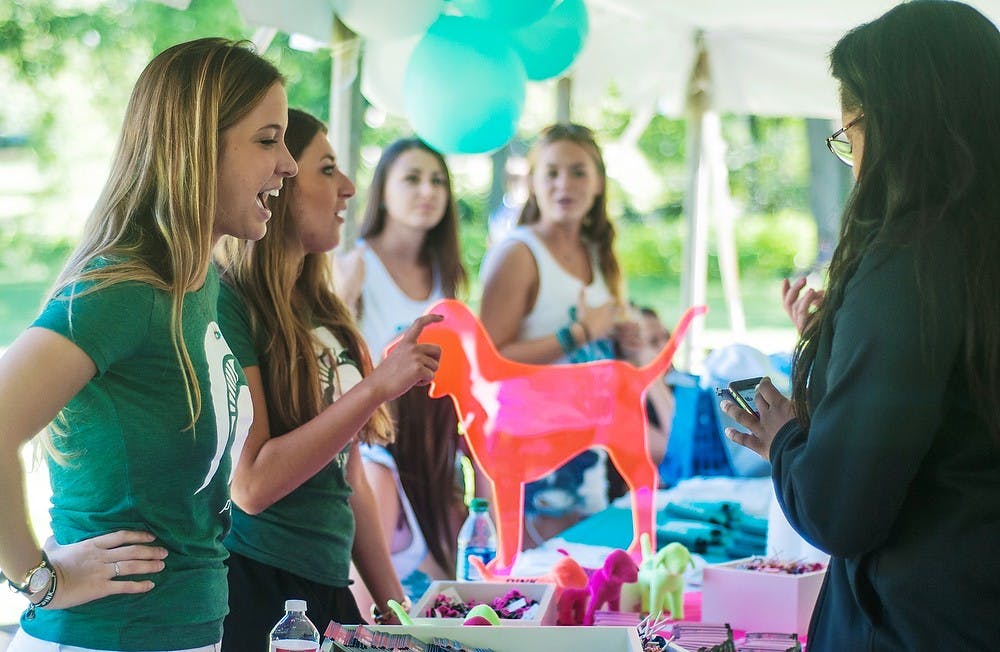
(486, 592)
(758, 601)
(530, 639)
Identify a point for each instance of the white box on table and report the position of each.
(757, 601)
(530, 639)
(486, 592)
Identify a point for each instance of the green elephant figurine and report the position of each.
(661, 578)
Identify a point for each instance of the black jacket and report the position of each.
(897, 477)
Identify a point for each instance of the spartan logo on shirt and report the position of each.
(231, 400)
(337, 374)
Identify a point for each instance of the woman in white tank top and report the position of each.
(552, 294)
(407, 259)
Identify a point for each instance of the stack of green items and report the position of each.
(717, 529)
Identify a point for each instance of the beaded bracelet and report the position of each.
(566, 341)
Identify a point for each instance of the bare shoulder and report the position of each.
(509, 260)
(349, 275)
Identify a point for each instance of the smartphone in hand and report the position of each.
(742, 393)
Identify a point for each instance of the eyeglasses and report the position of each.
(840, 146)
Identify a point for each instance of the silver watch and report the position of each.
(35, 580)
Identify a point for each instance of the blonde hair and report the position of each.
(153, 220)
(287, 305)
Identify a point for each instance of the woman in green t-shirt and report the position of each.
(127, 362)
(302, 506)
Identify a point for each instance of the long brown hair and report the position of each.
(441, 246)
(286, 305)
(926, 76)
(425, 451)
(596, 228)
(153, 220)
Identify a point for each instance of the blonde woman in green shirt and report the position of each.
(128, 363)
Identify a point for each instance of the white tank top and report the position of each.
(386, 311)
(408, 546)
(558, 290)
(583, 481)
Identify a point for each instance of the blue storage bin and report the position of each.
(696, 446)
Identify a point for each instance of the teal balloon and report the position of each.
(549, 45)
(506, 13)
(464, 86)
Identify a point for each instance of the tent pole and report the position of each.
(345, 112)
(695, 271)
(723, 212)
(564, 97)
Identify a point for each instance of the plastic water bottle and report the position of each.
(477, 537)
(294, 631)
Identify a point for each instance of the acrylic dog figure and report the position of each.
(661, 578)
(605, 584)
(523, 421)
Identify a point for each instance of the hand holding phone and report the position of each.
(743, 393)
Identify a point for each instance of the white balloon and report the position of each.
(383, 71)
(388, 19)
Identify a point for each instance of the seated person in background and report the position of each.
(653, 336)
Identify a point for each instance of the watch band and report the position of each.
(25, 588)
(47, 598)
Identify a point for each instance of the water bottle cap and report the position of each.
(295, 605)
(479, 505)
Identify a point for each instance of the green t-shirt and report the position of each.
(310, 531)
(135, 464)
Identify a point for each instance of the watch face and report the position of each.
(39, 579)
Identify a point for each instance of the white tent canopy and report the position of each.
(768, 57)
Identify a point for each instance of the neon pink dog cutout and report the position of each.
(523, 421)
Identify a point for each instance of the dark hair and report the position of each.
(596, 227)
(286, 309)
(426, 429)
(425, 452)
(441, 244)
(926, 76)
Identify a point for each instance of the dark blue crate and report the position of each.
(696, 446)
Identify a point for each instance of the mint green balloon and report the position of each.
(549, 45)
(464, 86)
(505, 13)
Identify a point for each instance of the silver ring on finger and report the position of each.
(118, 571)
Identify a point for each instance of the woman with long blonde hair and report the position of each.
(127, 362)
(553, 292)
(303, 508)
